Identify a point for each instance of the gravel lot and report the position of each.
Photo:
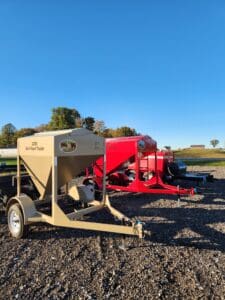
(183, 258)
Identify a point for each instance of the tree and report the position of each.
(63, 118)
(25, 132)
(42, 127)
(89, 123)
(107, 133)
(214, 142)
(79, 122)
(8, 135)
(167, 148)
(124, 131)
(99, 126)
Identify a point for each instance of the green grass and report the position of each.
(212, 157)
(199, 153)
(8, 161)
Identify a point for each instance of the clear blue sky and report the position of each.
(157, 66)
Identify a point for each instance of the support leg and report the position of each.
(122, 246)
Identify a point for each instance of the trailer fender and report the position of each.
(26, 204)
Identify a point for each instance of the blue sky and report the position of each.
(157, 66)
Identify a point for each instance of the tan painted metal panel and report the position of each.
(75, 149)
(35, 146)
(52, 160)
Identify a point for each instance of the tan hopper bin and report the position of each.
(52, 160)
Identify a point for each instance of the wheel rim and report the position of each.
(14, 222)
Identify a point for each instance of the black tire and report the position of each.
(16, 225)
(173, 169)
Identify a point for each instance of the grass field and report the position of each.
(8, 161)
(201, 157)
(200, 153)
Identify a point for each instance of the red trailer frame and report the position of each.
(133, 164)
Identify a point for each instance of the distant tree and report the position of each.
(24, 132)
(7, 138)
(99, 127)
(79, 122)
(63, 118)
(124, 131)
(167, 148)
(107, 133)
(89, 123)
(42, 127)
(214, 142)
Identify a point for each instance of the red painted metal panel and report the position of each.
(133, 164)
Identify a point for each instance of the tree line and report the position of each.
(62, 118)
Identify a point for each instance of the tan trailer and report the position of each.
(53, 160)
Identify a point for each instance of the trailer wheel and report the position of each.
(16, 221)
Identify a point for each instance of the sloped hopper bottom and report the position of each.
(68, 168)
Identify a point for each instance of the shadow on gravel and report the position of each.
(199, 224)
(3, 219)
(196, 223)
(49, 232)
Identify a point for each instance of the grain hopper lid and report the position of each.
(73, 150)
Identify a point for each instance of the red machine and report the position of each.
(133, 164)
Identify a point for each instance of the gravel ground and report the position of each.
(183, 258)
